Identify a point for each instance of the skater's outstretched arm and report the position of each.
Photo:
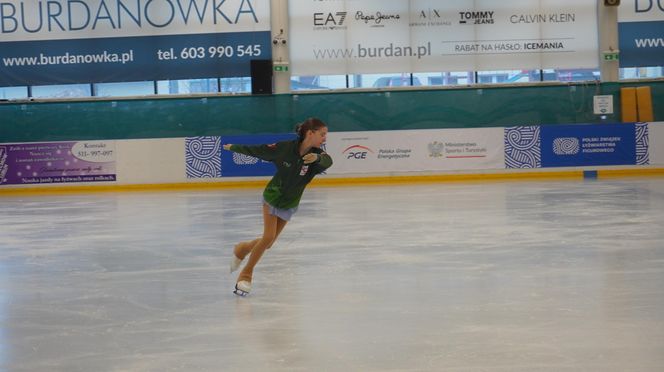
(263, 152)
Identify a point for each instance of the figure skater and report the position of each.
(297, 162)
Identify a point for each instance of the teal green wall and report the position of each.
(348, 111)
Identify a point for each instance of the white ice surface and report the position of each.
(515, 276)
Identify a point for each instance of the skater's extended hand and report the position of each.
(227, 146)
(310, 158)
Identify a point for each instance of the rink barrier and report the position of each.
(476, 106)
(344, 181)
(360, 158)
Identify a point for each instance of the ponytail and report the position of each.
(310, 124)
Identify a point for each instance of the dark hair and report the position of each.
(310, 124)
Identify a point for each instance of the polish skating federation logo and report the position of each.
(566, 146)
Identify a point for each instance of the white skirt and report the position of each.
(284, 214)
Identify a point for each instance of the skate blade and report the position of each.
(240, 292)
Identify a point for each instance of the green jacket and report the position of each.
(287, 186)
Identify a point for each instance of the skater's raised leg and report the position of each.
(241, 251)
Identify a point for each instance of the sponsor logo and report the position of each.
(330, 21)
(377, 19)
(543, 18)
(566, 146)
(430, 17)
(435, 149)
(464, 150)
(456, 150)
(241, 159)
(476, 18)
(357, 152)
(396, 153)
(544, 46)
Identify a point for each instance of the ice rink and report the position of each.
(498, 276)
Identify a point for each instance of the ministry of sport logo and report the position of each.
(566, 146)
(435, 149)
(357, 152)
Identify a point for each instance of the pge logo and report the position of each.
(357, 152)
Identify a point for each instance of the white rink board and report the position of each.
(656, 139)
(147, 161)
(416, 150)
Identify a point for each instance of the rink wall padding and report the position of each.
(360, 157)
(368, 110)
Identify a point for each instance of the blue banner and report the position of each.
(584, 145)
(118, 59)
(234, 164)
(641, 43)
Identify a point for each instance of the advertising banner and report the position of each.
(57, 162)
(578, 145)
(234, 164)
(641, 33)
(375, 36)
(415, 150)
(90, 41)
(581, 145)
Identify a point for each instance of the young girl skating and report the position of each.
(297, 162)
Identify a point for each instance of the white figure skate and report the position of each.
(242, 288)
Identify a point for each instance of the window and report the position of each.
(318, 82)
(446, 78)
(384, 80)
(236, 85)
(189, 86)
(62, 91)
(642, 72)
(13, 93)
(570, 75)
(142, 88)
(494, 77)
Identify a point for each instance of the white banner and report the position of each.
(23, 20)
(641, 33)
(416, 150)
(656, 142)
(378, 36)
(641, 11)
